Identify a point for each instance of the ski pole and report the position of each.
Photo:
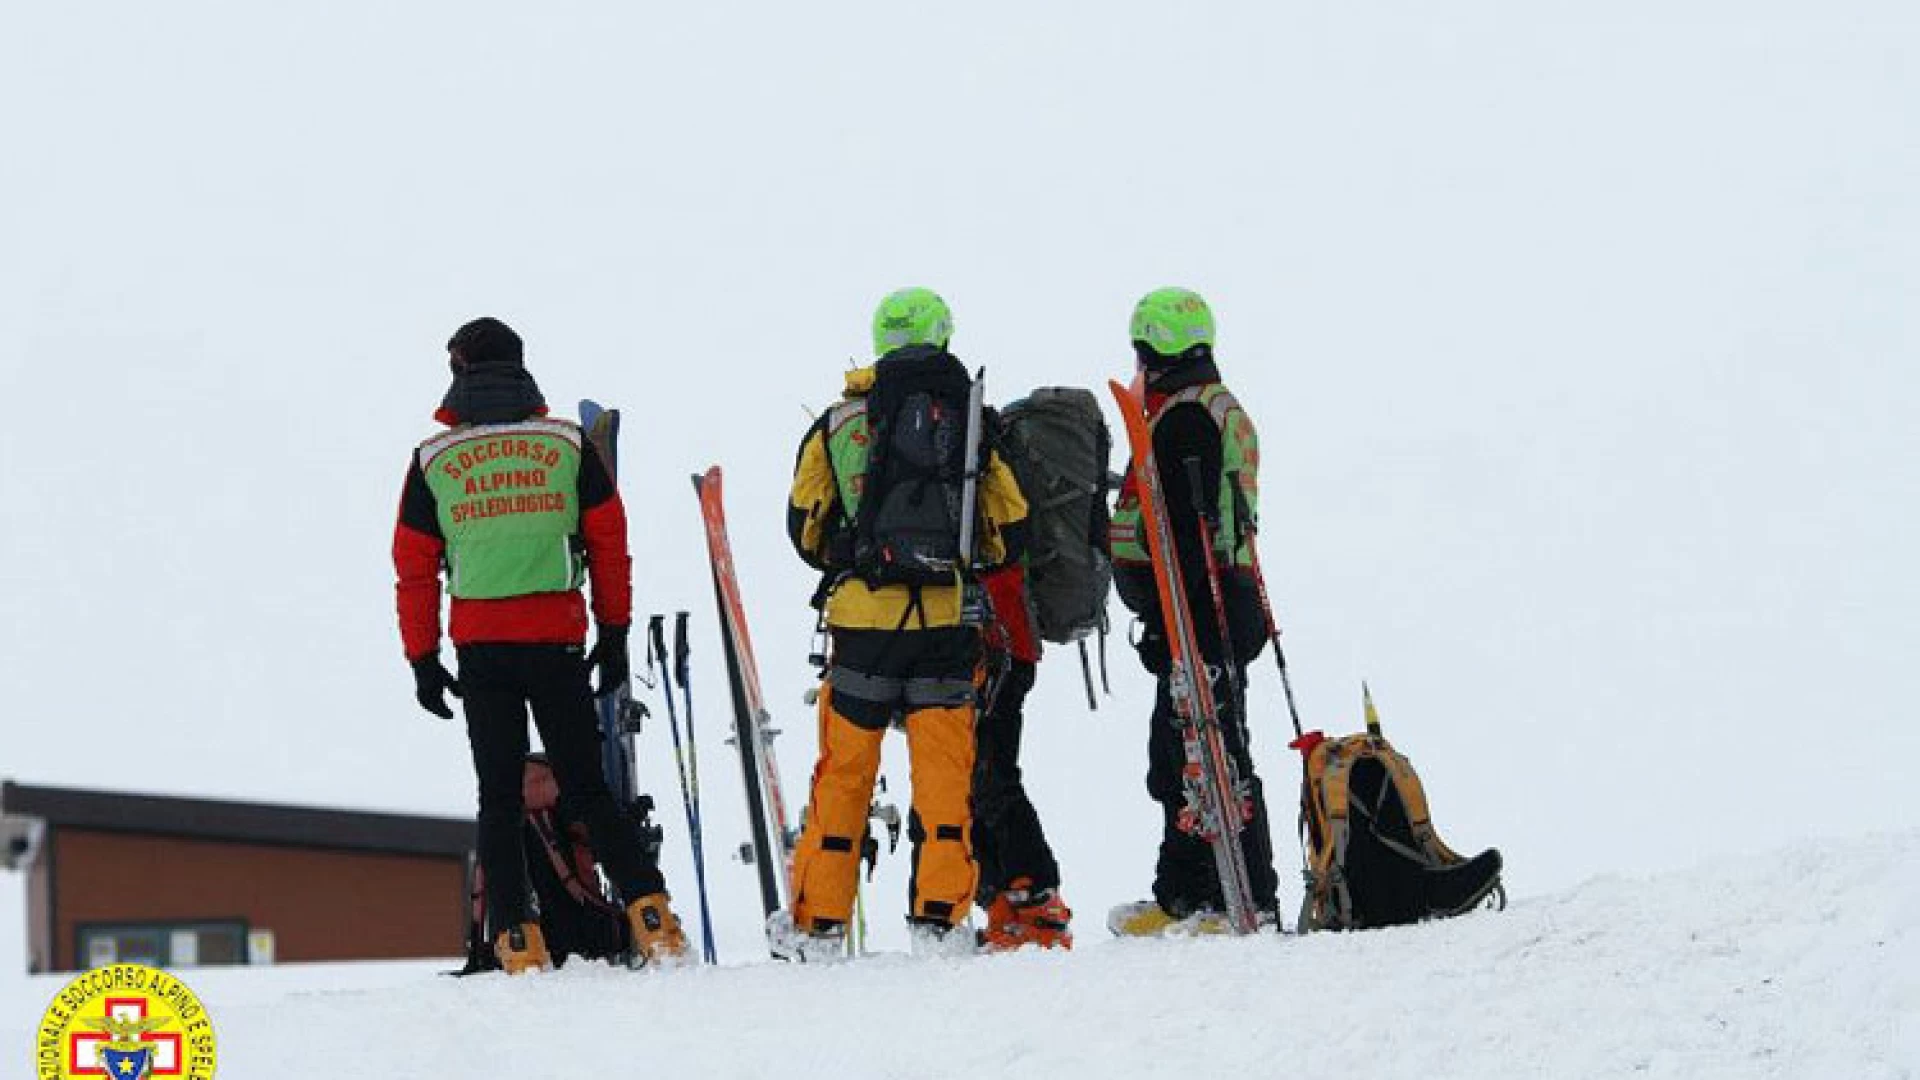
(1086, 676)
(657, 649)
(681, 669)
(681, 652)
(1106, 687)
(1244, 519)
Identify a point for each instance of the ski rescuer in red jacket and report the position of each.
(518, 509)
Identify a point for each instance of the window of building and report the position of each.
(165, 945)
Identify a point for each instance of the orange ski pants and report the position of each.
(925, 680)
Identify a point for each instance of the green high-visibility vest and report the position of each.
(1239, 464)
(507, 496)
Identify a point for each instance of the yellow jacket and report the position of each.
(832, 462)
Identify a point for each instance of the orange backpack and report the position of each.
(1359, 791)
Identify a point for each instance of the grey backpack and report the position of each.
(1057, 443)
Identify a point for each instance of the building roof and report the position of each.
(259, 823)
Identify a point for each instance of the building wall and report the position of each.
(321, 904)
(40, 908)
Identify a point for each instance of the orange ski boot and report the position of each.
(1022, 915)
(521, 949)
(657, 937)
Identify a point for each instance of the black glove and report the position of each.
(610, 656)
(431, 681)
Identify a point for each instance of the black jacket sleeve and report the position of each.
(418, 510)
(596, 480)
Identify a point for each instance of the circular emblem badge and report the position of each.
(124, 1022)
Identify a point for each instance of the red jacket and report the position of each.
(558, 618)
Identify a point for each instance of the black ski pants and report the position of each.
(1008, 842)
(500, 682)
(1185, 878)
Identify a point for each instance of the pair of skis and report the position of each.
(771, 845)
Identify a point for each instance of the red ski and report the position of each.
(771, 848)
(1214, 800)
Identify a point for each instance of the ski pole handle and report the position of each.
(681, 650)
(657, 644)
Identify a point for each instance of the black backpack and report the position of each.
(907, 531)
(1057, 443)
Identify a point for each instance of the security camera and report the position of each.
(19, 839)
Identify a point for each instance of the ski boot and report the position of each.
(657, 937)
(1022, 915)
(822, 945)
(522, 948)
(1146, 918)
(938, 937)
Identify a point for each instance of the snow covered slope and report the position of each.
(1805, 963)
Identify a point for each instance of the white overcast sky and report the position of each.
(1580, 338)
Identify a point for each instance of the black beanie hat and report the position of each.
(486, 342)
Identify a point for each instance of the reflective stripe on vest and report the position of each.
(1239, 458)
(507, 497)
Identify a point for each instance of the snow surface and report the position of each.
(1803, 964)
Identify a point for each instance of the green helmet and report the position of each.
(911, 317)
(1171, 321)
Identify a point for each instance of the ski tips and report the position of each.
(711, 476)
(1372, 714)
(1128, 397)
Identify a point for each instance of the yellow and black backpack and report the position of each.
(1373, 856)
